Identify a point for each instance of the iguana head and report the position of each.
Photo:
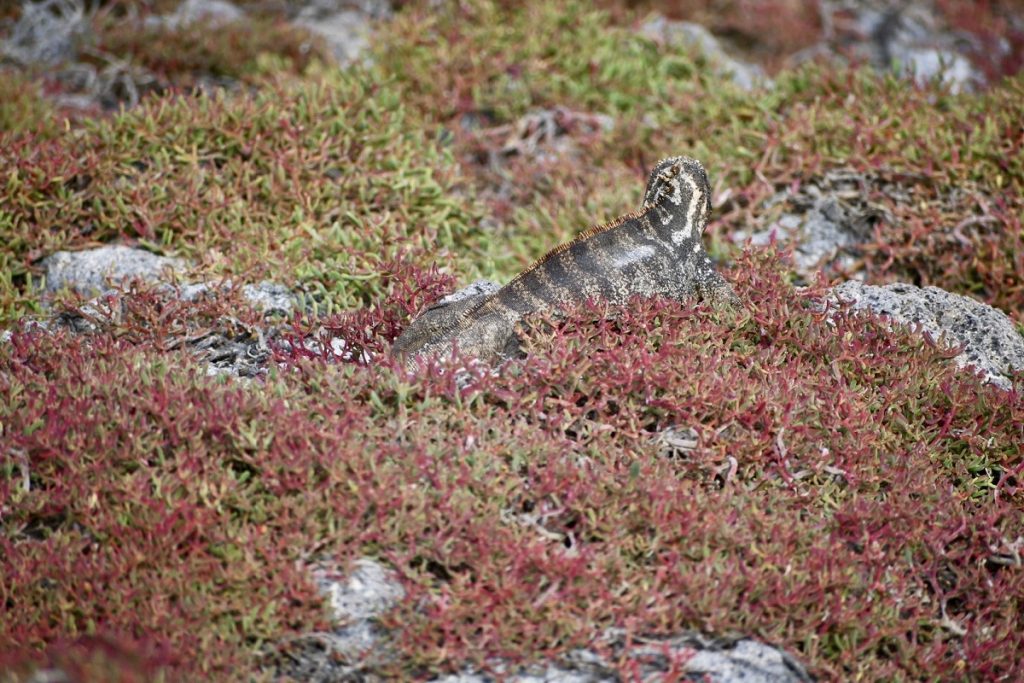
(679, 192)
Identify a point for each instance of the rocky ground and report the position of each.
(218, 216)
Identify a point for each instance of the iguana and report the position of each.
(654, 251)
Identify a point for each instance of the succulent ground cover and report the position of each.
(850, 498)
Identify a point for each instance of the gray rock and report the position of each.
(829, 216)
(236, 356)
(909, 38)
(675, 442)
(551, 674)
(346, 26)
(820, 235)
(351, 651)
(191, 11)
(268, 297)
(338, 346)
(239, 355)
(694, 36)
(231, 349)
(699, 658)
(27, 325)
(357, 644)
(94, 271)
(369, 591)
(47, 32)
(910, 41)
(744, 660)
(990, 343)
(927, 64)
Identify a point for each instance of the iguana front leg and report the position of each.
(716, 290)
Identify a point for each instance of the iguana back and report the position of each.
(655, 251)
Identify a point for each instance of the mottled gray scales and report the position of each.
(562, 269)
(656, 251)
(596, 280)
(545, 288)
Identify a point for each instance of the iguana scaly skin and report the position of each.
(654, 251)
